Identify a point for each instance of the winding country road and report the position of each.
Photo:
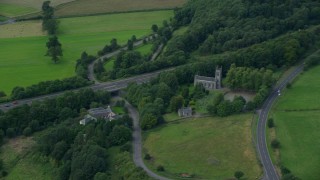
(91, 75)
(270, 172)
(137, 143)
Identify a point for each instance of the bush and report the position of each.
(10, 132)
(289, 85)
(275, 144)
(270, 123)
(147, 157)
(27, 131)
(126, 147)
(160, 168)
(238, 174)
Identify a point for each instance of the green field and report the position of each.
(29, 65)
(296, 116)
(10, 10)
(209, 148)
(35, 4)
(85, 7)
(21, 163)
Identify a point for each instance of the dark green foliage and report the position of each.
(82, 64)
(119, 135)
(86, 162)
(101, 176)
(126, 147)
(130, 45)
(127, 59)
(289, 177)
(238, 174)
(284, 170)
(199, 91)
(133, 38)
(2, 94)
(154, 28)
(270, 123)
(289, 85)
(47, 87)
(176, 103)
(248, 78)
(48, 22)
(147, 157)
(27, 131)
(109, 48)
(160, 168)
(54, 48)
(59, 150)
(10, 132)
(1, 136)
(224, 108)
(148, 121)
(275, 144)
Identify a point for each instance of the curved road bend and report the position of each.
(91, 75)
(137, 143)
(270, 172)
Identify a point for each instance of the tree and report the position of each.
(176, 103)
(275, 144)
(27, 131)
(270, 123)
(2, 94)
(238, 174)
(54, 48)
(148, 121)
(154, 28)
(130, 45)
(120, 135)
(133, 38)
(10, 132)
(160, 168)
(101, 176)
(59, 150)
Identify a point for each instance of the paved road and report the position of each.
(91, 75)
(137, 143)
(108, 86)
(270, 172)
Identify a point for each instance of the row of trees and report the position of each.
(109, 48)
(47, 87)
(222, 107)
(49, 23)
(82, 65)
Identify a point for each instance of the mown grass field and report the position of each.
(85, 7)
(296, 117)
(209, 148)
(23, 62)
(10, 10)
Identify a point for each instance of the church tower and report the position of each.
(218, 78)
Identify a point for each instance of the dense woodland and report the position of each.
(77, 152)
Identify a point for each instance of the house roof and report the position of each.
(204, 78)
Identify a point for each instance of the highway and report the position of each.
(270, 172)
(111, 86)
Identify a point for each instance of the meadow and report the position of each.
(208, 148)
(85, 7)
(23, 62)
(35, 4)
(10, 10)
(296, 116)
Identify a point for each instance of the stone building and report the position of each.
(185, 112)
(210, 83)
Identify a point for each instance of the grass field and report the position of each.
(21, 163)
(209, 148)
(35, 4)
(29, 65)
(85, 7)
(296, 116)
(10, 10)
